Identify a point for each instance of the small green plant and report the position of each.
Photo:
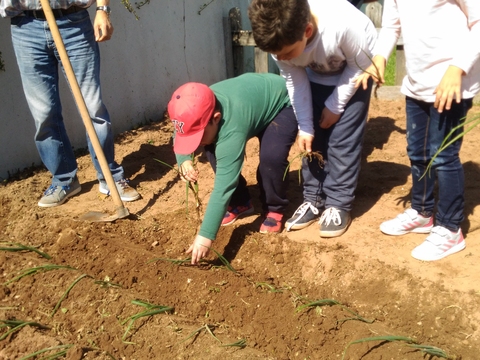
(304, 154)
(189, 186)
(268, 287)
(151, 310)
(173, 261)
(205, 327)
(13, 247)
(16, 325)
(66, 293)
(37, 269)
(240, 343)
(378, 338)
(59, 354)
(432, 351)
(331, 302)
(224, 261)
(106, 284)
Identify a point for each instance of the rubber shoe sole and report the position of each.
(305, 215)
(272, 224)
(61, 201)
(439, 244)
(126, 192)
(410, 221)
(239, 216)
(334, 222)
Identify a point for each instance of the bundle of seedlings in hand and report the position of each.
(151, 309)
(13, 247)
(304, 154)
(373, 75)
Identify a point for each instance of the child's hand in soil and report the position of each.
(199, 249)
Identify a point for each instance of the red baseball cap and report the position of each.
(190, 109)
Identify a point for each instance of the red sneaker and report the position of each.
(272, 223)
(233, 214)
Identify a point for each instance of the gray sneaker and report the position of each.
(127, 193)
(56, 195)
(334, 222)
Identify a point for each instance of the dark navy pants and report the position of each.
(426, 131)
(275, 143)
(334, 184)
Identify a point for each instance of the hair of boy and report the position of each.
(278, 23)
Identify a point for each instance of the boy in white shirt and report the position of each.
(320, 47)
(442, 50)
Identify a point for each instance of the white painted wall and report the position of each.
(143, 63)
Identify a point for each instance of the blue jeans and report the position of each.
(426, 130)
(334, 184)
(38, 61)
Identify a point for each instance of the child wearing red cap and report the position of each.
(222, 118)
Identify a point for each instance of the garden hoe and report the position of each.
(122, 212)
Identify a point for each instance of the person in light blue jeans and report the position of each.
(38, 61)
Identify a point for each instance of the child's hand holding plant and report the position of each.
(188, 171)
(376, 71)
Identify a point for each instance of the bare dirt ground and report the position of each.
(83, 308)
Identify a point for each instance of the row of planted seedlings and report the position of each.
(427, 350)
(10, 326)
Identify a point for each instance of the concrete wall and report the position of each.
(144, 62)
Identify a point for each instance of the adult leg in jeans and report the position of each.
(275, 144)
(84, 56)
(38, 67)
(241, 195)
(426, 130)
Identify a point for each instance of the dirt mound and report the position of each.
(365, 283)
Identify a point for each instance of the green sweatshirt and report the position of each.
(249, 103)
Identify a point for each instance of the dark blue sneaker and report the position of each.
(302, 217)
(334, 222)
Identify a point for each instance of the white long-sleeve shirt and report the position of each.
(336, 56)
(436, 34)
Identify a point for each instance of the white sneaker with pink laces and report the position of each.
(440, 243)
(406, 222)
